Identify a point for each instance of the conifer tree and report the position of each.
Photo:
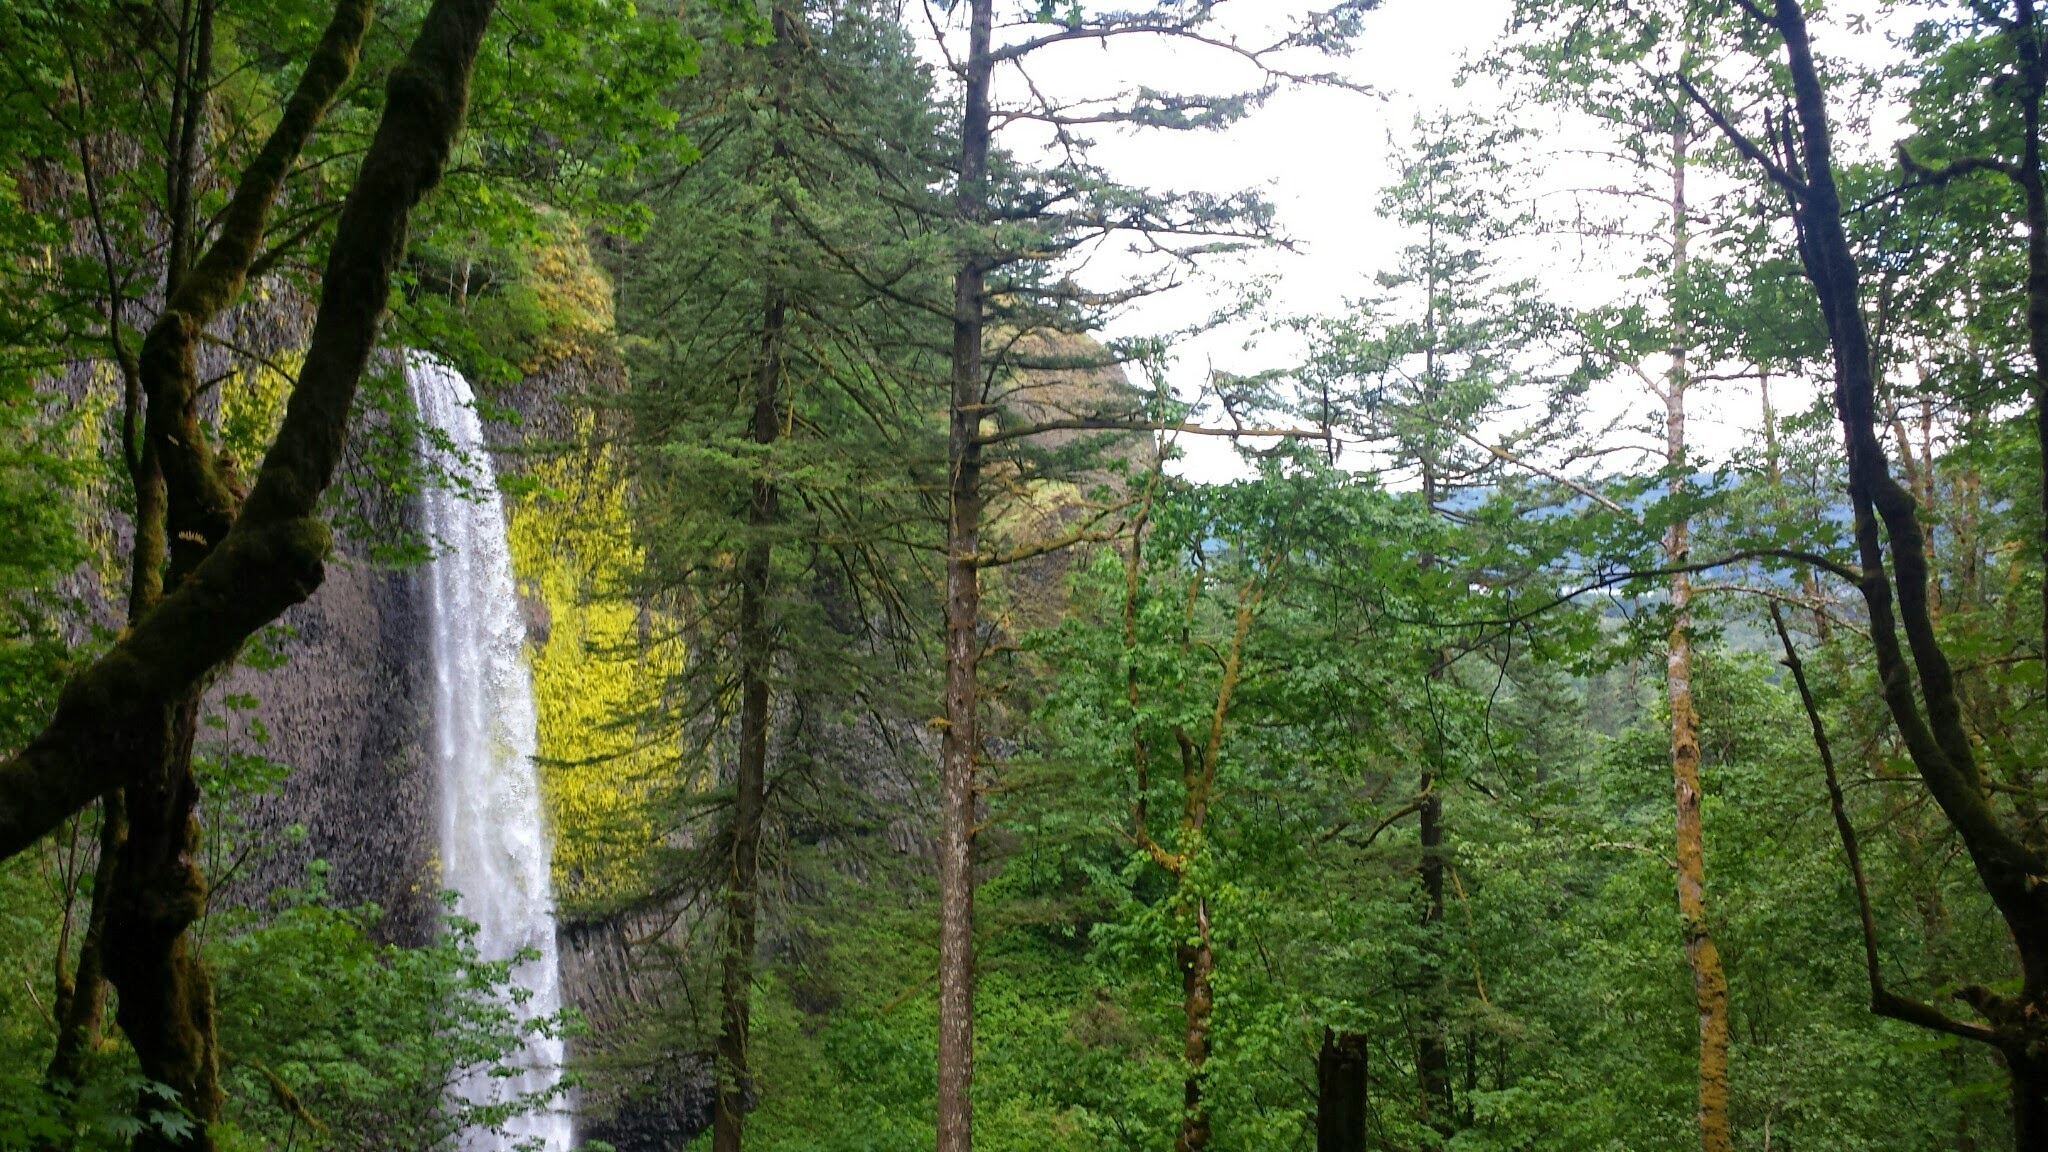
(1013, 226)
(778, 319)
(1443, 381)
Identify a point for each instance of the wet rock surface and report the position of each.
(350, 712)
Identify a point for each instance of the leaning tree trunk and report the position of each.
(960, 741)
(1709, 981)
(1917, 680)
(126, 720)
(157, 890)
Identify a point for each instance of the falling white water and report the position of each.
(494, 843)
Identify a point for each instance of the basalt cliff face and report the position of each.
(346, 704)
(348, 711)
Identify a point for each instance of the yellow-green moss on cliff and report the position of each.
(598, 663)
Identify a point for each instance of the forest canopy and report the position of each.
(942, 574)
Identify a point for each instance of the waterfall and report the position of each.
(493, 840)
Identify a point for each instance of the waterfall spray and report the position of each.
(493, 839)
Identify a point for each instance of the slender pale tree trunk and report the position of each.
(963, 609)
(1710, 983)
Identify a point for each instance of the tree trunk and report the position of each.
(1197, 962)
(273, 553)
(1709, 982)
(84, 1013)
(128, 720)
(1917, 679)
(1432, 1046)
(963, 609)
(750, 784)
(166, 995)
(1341, 1092)
(2029, 1102)
(2033, 67)
(1434, 1104)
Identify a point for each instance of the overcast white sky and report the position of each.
(1323, 157)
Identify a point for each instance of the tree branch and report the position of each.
(1882, 1002)
(272, 556)
(1113, 424)
(1742, 143)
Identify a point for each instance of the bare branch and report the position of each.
(1882, 1002)
(1742, 143)
(1112, 424)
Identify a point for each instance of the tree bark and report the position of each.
(1432, 1045)
(750, 784)
(128, 718)
(1709, 981)
(1197, 961)
(1434, 1104)
(157, 890)
(2029, 1102)
(166, 995)
(757, 656)
(272, 557)
(1917, 681)
(1341, 1092)
(960, 741)
(1195, 953)
(84, 1013)
(2032, 56)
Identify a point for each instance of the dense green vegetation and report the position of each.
(1494, 754)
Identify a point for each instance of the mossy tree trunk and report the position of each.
(166, 995)
(1709, 980)
(81, 1020)
(158, 891)
(127, 720)
(1194, 952)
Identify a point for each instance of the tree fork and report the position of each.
(272, 556)
(1929, 720)
(139, 699)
